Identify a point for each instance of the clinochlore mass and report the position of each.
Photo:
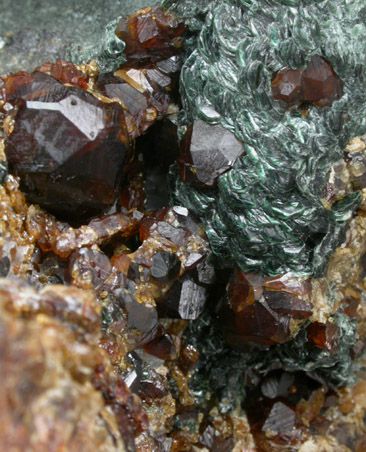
(266, 213)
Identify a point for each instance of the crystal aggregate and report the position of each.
(121, 329)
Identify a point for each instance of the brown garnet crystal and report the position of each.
(259, 310)
(320, 84)
(316, 84)
(150, 31)
(286, 86)
(323, 335)
(69, 148)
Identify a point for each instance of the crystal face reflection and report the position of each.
(69, 149)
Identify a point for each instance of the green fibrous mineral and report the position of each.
(222, 370)
(266, 214)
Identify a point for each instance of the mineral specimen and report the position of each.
(59, 391)
(150, 33)
(261, 312)
(135, 336)
(206, 152)
(77, 172)
(286, 86)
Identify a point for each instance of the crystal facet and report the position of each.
(206, 152)
(69, 148)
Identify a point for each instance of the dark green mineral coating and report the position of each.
(221, 370)
(266, 214)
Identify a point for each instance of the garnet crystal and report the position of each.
(316, 84)
(320, 84)
(69, 149)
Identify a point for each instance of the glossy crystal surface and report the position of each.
(68, 147)
(206, 152)
(316, 84)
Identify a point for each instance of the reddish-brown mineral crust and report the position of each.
(159, 261)
(164, 236)
(65, 72)
(61, 392)
(53, 235)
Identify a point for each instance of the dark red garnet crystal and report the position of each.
(69, 149)
(259, 309)
(316, 84)
(286, 86)
(320, 84)
(151, 32)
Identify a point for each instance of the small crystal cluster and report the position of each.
(317, 84)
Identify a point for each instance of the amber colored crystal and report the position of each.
(162, 347)
(187, 358)
(65, 72)
(150, 32)
(259, 309)
(143, 91)
(59, 237)
(257, 323)
(244, 289)
(151, 221)
(139, 114)
(350, 305)
(286, 86)
(22, 86)
(153, 387)
(323, 335)
(69, 148)
(288, 284)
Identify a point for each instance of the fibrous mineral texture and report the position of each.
(266, 213)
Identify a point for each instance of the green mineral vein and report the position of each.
(266, 213)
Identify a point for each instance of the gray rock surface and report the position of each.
(33, 31)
